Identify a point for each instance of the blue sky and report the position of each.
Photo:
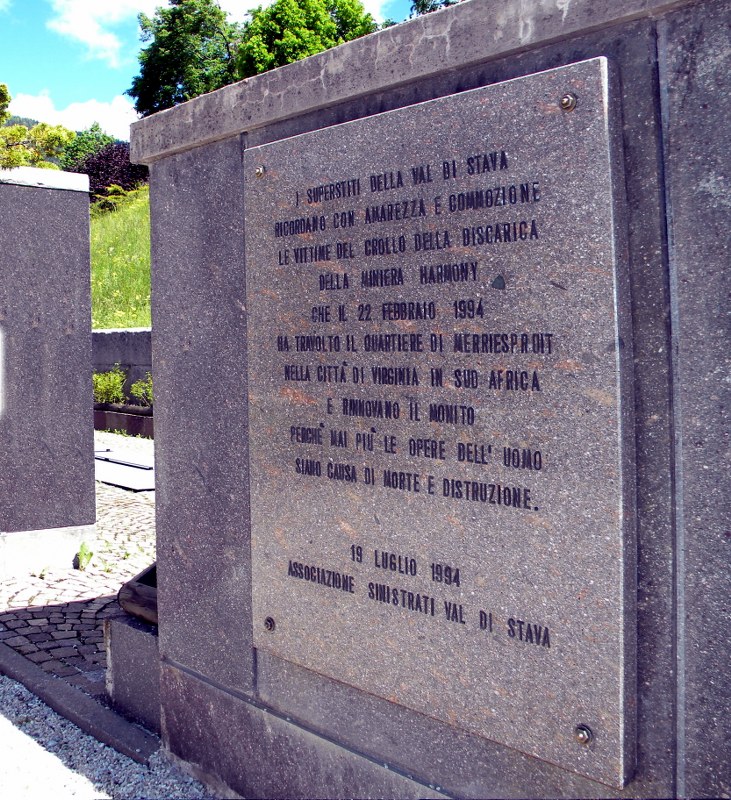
(69, 62)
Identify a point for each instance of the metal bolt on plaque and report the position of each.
(259, 171)
(270, 624)
(568, 102)
(583, 734)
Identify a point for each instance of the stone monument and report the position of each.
(47, 489)
(450, 510)
(438, 421)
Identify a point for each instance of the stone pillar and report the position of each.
(47, 503)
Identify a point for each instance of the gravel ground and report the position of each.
(43, 755)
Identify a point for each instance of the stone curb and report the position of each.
(71, 703)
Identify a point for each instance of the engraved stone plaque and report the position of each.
(441, 452)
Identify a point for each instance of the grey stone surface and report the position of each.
(37, 550)
(416, 50)
(676, 663)
(131, 348)
(259, 754)
(45, 352)
(632, 50)
(695, 54)
(201, 424)
(336, 481)
(133, 669)
(462, 764)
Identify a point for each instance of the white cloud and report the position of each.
(91, 23)
(114, 117)
(238, 9)
(375, 9)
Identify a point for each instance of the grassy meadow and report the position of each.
(120, 262)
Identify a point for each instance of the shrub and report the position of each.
(86, 143)
(115, 198)
(111, 166)
(142, 390)
(109, 386)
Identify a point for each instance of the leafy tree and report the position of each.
(351, 19)
(5, 99)
(193, 48)
(419, 7)
(111, 167)
(85, 144)
(29, 147)
(191, 51)
(25, 121)
(289, 30)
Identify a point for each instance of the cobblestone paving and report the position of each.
(56, 619)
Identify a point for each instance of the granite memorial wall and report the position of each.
(47, 501)
(426, 532)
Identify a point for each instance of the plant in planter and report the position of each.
(109, 386)
(142, 391)
(113, 410)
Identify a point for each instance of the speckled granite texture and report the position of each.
(672, 99)
(45, 359)
(695, 56)
(420, 438)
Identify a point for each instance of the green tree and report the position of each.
(5, 99)
(191, 51)
(29, 147)
(419, 7)
(85, 144)
(25, 121)
(289, 30)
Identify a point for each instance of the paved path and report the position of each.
(56, 619)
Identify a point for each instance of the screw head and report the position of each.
(270, 624)
(568, 101)
(260, 170)
(583, 734)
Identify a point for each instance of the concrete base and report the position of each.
(133, 670)
(23, 552)
(228, 741)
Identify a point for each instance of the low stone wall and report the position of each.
(129, 347)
